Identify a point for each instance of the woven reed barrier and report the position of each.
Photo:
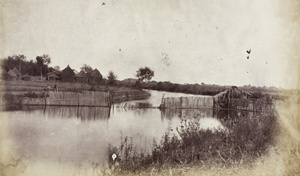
(86, 98)
(262, 104)
(188, 102)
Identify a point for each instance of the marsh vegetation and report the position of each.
(244, 137)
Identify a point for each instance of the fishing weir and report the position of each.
(84, 98)
(231, 99)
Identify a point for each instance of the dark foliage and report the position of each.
(31, 67)
(144, 74)
(111, 78)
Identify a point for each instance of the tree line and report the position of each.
(37, 67)
(40, 67)
(144, 75)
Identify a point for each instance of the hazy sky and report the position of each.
(182, 41)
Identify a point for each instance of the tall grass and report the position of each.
(249, 138)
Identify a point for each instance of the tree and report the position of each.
(144, 74)
(43, 61)
(111, 77)
(19, 58)
(87, 69)
(56, 68)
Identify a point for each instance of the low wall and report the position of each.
(86, 98)
(188, 102)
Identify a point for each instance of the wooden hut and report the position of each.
(95, 77)
(81, 77)
(53, 76)
(26, 77)
(11, 75)
(18, 74)
(67, 75)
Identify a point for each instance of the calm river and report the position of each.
(76, 136)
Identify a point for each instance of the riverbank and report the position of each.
(269, 146)
(13, 92)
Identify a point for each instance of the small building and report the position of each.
(38, 78)
(95, 77)
(18, 74)
(81, 77)
(53, 76)
(11, 76)
(67, 75)
(26, 77)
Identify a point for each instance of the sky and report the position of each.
(202, 41)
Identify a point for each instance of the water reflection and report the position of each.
(83, 113)
(56, 133)
(184, 113)
(212, 124)
(205, 116)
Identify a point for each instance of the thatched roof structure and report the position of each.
(95, 77)
(12, 73)
(96, 74)
(67, 75)
(26, 77)
(55, 75)
(52, 75)
(54, 72)
(16, 71)
(81, 74)
(81, 77)
(223, 98)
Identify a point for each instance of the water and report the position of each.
(74, 136)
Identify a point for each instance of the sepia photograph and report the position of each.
(149, 88)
